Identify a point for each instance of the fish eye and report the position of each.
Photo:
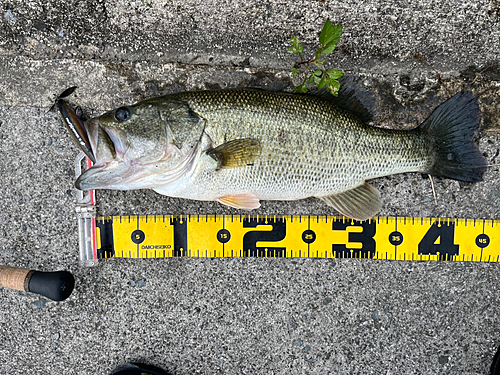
(122, 114)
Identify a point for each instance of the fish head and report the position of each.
(135, 148)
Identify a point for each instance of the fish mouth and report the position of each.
(104, 147)
(112, 169)
(109, 175)
(108, 169)
(102, 142)
(76, 127)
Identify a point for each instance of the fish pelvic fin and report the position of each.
(241, 201)
(451, 129)
(360, 203)
(236, 153)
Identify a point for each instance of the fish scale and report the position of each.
(310, 147)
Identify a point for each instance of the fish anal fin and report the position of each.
(236, 153)
(241, 201)
(360, 203)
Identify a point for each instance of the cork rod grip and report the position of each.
(15, 278)
(54, 285)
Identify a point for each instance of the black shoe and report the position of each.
(138, 369)
(495, 366)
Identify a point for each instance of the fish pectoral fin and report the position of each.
(360, 203)
(236, 153)
(241, 201)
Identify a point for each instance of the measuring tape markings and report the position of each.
(216, 236)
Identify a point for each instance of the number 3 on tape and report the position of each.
(365, 238)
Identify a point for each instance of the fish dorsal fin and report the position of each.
(241, 201)
(360, 203)
(353, 97)
(236, 153)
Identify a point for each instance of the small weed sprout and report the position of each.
(315, 71)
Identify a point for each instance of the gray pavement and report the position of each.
(239, 316)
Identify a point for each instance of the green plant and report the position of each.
(317, 74)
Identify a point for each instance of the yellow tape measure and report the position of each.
(217, 236)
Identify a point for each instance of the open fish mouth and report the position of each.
(109, 168)
(76, 128)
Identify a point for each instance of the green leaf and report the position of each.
(318, 53)
(333, 87)
(318, 73)
(327, 30)
(301, 48)
(329, 48)
(337, 33)
(295, 42)
(292, 50)
(317, 80)
(295, 72)
(311, 79)
(330, 36)
(334, 73)
(301, 89)
(323, 82)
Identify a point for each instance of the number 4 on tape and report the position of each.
(216, 236)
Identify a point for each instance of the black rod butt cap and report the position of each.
(495, 366)
(54, 285)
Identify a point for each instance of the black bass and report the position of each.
(238, 147)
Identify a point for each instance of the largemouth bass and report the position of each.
(238, 147)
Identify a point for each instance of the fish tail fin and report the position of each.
(451, 129)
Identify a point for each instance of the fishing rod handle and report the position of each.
(54, 285)
(14, 278)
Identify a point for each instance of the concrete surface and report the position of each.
(239, 316)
